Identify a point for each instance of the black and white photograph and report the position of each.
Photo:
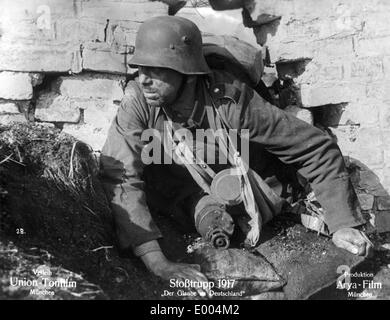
(204, 152)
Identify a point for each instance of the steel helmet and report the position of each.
(170, 42)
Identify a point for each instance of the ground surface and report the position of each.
(57, 218)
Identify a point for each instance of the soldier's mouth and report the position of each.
(151, 95)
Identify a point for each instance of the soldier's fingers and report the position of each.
(346, 245)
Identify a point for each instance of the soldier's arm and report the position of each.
(313, 153)
(122, 169)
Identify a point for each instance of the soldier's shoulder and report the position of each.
(133, 97)
(223, 85)
(133, 89)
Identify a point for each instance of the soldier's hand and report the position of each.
(353, 240)
(168, 270)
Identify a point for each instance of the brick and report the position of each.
(371, 67)
(383, 203)
(324, 93)
(384, 111)
(366, 201)
(364, 113)
(290, 51)
(301, 29)
(386, 136)
(100, 113)
(71, 31)
(52, 107)
(378, 90)
(369, 155)
(36, 58)
(373, 46)
(335, 48)
(332, 71)
(101, 58)
(387, 155)
(15, 86)
(95, 137)
(368, 147)
(323, 28)
(386, 67)
(89, 86)
(287, 7)
(91, 30)
(129, 10)
(9, 108)
(376, 24)
(386, 144)
(6, 119)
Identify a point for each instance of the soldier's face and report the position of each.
(160, 86)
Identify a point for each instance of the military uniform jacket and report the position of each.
(274, 136)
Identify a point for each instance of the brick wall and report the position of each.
(64, 62)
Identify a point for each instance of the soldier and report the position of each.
(174, 82)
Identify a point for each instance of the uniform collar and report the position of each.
(191, 102)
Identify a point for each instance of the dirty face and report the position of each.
(160, 86)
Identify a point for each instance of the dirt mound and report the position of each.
(51, 199)
(52, 186)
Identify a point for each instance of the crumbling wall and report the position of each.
(336, 55)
